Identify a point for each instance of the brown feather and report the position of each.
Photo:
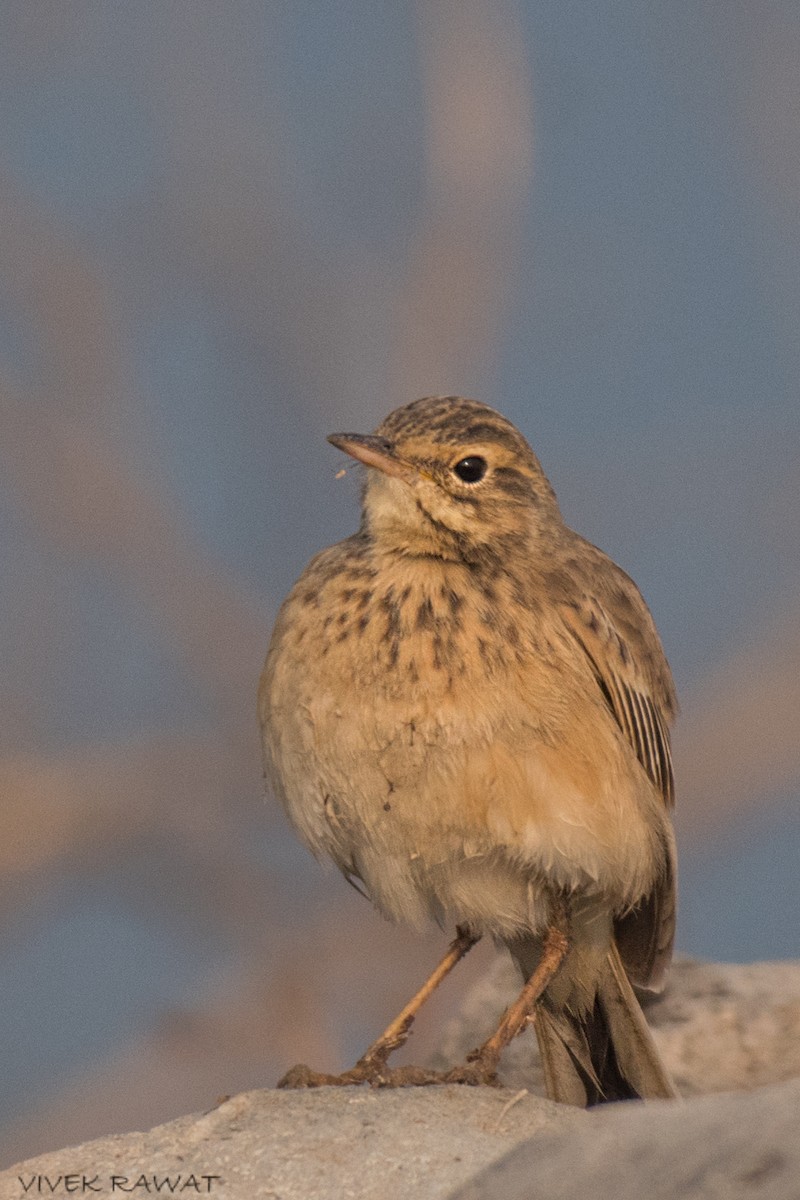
(644, 935)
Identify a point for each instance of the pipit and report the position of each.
(466, 706)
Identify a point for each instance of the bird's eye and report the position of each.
(471, 469)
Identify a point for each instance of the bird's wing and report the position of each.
(634, 679)
(628, 691)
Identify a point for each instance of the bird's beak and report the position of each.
(373, 452)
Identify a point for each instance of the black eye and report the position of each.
(471, 469)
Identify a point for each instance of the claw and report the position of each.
(476, 1073)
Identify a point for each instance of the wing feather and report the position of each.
(627, 691)
(633, 677)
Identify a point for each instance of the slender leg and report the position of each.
(396, 1034)
(481, 1064)
(371, 1067)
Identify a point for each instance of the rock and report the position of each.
(412, 1144)
(719, 1026)
(725, 1147)
(729, 1027)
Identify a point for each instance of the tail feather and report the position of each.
(604, 1053)
(569, 1075)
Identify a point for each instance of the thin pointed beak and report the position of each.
(373, 452)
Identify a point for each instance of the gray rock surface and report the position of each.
(326, 1144)
(714, 1148)
(720, 1028)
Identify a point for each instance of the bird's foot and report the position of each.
(304, 1077)
(371, 1069)
(477, 1071)
(473, 1074)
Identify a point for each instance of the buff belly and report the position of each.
(460, 815)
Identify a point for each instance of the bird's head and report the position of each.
(450, 477)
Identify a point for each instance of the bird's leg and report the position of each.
(481, 1064)
(371, 1067)
(396, 1034)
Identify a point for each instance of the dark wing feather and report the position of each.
(626, 690)
(634, 679)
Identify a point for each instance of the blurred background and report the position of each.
(226, 230)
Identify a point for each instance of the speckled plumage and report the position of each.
(466, 706)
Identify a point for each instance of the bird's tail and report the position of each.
(604, 1053)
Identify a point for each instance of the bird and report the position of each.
(467, 707)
